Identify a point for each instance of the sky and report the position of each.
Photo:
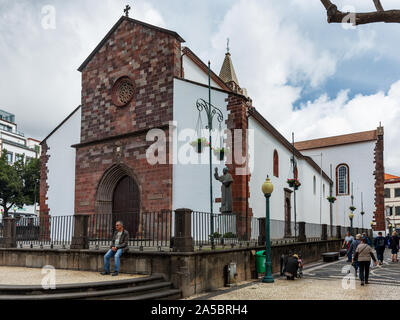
(303, 74)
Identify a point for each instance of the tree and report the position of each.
(336, 16)
(19, 183)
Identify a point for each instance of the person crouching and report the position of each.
(292, 267)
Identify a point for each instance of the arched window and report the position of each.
(296, 173)
(342, 180)
(315, 185)
(276, 164)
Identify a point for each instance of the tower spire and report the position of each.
(228, 73)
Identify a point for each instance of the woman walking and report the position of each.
(363, 255)
(394, 245)
(346, 245)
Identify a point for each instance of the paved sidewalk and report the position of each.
(28, 276)
(321, 282)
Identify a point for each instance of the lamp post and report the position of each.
(351, 217)
(211, 112)
(267, 189)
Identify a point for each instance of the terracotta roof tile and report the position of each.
(337, 140)
(390, 176)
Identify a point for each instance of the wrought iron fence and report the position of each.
(155, 230)
(45, 231)
(148, 229)
(228, 229)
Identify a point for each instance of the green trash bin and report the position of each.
(260, 261)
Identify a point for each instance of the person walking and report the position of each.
(352, 249)
(380, 246)
(394, 245)
(363, 255)
(346, 244)
(118, 247)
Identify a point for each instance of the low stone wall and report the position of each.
(194, 273)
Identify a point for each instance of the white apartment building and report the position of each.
(392, 201)
(16, 145)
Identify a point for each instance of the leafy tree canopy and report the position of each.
(19, 183)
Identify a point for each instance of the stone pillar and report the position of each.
(183, 240)
(302, 232)
(339, 232)
(9, 233)
(324, 235)
(261, 237)
(80, 240)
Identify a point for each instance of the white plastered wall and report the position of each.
(191, 182)
(308, 203)
(360, 159)
(61, 167)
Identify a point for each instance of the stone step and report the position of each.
(170, 294)
(79, 287)
(137, 291)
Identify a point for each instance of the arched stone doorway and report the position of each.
(119, 196)
(126, 204)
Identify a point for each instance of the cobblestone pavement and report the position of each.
(27, 276)
(321, 282)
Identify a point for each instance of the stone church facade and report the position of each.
(140, 78)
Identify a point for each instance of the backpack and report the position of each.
(380, 242)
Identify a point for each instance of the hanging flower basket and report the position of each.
(352, 209)
(331, 199)
(200, 144)
(220, 153)
(294, 183)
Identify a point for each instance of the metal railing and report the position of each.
(149, 229)
(45, 231)
(228, 229)
(152, 230)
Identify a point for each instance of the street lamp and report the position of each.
(267, 189)
(351, 217)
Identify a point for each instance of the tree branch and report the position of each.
(336, 16)
(378, 5)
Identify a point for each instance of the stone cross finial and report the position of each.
(227, 45)
(127, 8)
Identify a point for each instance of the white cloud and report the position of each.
(277, 59)
(280, 49)
(39, 80)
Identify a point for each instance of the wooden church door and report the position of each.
(288, 218)
(126, 205)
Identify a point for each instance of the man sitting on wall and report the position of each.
(119, 246)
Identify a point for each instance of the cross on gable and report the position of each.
(127, 8)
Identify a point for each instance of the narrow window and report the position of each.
(276, 164)
(315, 185)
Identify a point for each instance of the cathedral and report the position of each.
(141, 87)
